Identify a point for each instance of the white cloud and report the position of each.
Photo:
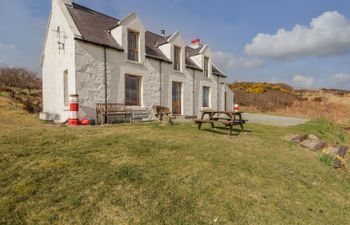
(302, 81)
(327, 35)
(7, 45)
(228, 61)
(341, 80)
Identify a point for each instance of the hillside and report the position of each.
(329, 104)
(22, 86)
(150, 174)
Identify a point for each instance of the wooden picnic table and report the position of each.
(231, 119)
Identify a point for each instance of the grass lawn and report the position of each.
(149, 174)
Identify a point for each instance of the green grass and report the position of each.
(149, 174)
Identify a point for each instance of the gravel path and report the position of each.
(273, 120)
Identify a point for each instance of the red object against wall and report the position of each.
(85, 122)
(73, 122)
(74, 107)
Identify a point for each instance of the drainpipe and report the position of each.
(105, 83)
(218, 95)
(194, 94)
(161, 83)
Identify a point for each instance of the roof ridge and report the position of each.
(160, 36)
(94, 11)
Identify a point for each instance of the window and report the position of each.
(65, 88)
(206, 91)
(206, 67)
(133, 48)
(132, 90)
(177, 58)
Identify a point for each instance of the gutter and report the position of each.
(194, 93)
(158, 58)
(105, 83)
(194, 68)
(101, 45)
(218, 94)
(160, 83)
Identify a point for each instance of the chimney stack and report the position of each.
(196, 43)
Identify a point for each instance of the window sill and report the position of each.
(134, 62)
(207, 78)
(178, 72)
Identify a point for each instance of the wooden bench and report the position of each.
(200, 122)
(112, 109)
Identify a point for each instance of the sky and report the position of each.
(305, 43)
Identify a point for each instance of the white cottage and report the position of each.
(103, 59)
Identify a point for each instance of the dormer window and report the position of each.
(206, 67)
(133, 45)
(177, 58)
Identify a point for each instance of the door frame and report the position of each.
(181, 97)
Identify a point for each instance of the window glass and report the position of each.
(133, 53)
(206, 67)
(206, 91)
(132, 90)
(177, 58)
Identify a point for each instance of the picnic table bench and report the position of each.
(231, 119)
(112, 109)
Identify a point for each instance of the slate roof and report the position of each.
(95, 26)
(151, 46)
(193, 51)
(217, 72)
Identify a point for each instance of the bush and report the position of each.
(22, 86)
(19, 78)
(269, 101)
(330, 159)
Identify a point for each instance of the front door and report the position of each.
(176, 98)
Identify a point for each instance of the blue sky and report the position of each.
(312, 51)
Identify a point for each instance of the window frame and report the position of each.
(177, 58)
(136, 50)
(206, 66)
(139, 90)
(66, 88)
(203, 100)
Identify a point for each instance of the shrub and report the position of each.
(19, 78)
(22, 86)
(268, 101)
(330, 159)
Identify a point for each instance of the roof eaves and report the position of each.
(204, 48)
(194, 68)
(102, 45)
(158, 58)
(172, 37)
(220, 75)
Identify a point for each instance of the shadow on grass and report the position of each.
(225, 130)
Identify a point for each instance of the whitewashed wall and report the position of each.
(90, 81)
(85, 65)
(55, 62)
